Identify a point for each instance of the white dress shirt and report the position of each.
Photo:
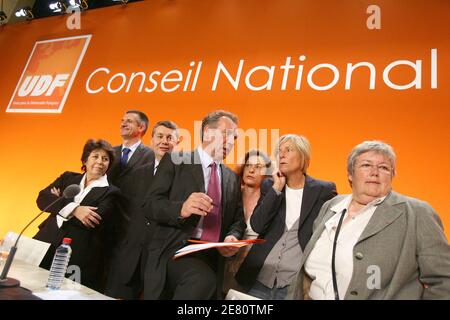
(318, 264)
(67, 212)
(249, 232)
(132, 149)
(294, 199)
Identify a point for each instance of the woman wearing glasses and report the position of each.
(375, 243)
(255, 168)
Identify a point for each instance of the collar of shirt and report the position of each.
(100, 182)
(206, 159)
(343, 205)
(133, 147)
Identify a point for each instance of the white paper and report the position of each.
(29, 250)
(237, 295)
(203, 246)
(61, 295)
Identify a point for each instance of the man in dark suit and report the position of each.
(125, 280)
(194, 196)
(128, 156)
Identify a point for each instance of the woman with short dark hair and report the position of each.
(252, 171)
(84, 218)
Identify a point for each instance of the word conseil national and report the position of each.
(292, 74)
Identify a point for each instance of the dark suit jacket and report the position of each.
(268, 220)
(172, 185)
(88, 245)
(122, 178)
(139, 228)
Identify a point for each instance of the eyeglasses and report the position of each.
(367, 167)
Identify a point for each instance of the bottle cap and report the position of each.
(67, 241)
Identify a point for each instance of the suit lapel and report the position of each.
(385, 214)
(94, 194)
(225, 182)
(310, 194)
(135, 156)
(197, 171)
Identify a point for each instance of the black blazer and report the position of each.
(268, 220)
(132, 246)
(89, 248)
(172, 185)
(124, 179)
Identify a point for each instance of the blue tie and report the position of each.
(124, 158)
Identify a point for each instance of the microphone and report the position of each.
(70, 192)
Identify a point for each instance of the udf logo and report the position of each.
(48, 75)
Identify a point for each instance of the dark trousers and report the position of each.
(131, 290)
(192, 277)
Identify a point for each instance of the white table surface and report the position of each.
(35, 279)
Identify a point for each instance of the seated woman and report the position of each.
(84, 218)
(252, 172)
(374, 243)
(284, 217)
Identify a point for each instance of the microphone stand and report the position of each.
(6, 282)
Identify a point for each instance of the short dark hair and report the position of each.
(251, 153)
(165, 123)
(213, 117)
(142, 118)
(92, 145)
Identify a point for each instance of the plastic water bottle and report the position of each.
(59, 265)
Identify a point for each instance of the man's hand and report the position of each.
(197, 203)
(228, 251)
(87, 216)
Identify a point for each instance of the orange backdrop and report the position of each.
(162, 35)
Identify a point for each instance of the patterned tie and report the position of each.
(212, 221)
(124, 158)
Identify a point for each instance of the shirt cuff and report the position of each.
(66, 213)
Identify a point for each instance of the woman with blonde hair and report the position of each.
(284, 216)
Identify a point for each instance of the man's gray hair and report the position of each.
(374, 145)
(211, 119)
(166, 123)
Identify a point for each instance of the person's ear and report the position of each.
(141, 127)
(206, 136)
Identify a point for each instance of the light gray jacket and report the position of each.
(405, 239)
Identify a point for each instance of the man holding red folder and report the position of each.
(194, 196)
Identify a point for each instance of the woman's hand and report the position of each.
(87, 216)
(279, 180)
(56, 192)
